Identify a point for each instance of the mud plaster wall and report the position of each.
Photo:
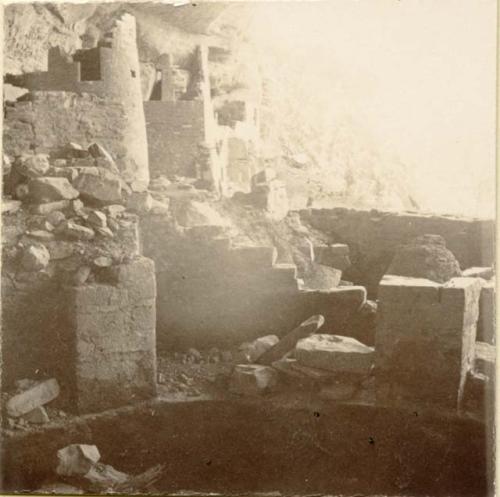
(174, 131)
(53, 119)
(373, 237)
(210, 293)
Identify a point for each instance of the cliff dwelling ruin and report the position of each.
(174, 307)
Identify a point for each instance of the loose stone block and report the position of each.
(37, 416)
(43, 190)
(38, 395)
(76, 459)
(252, 379)
(35, 257)
(425, 339)
(100, 185)
(335, 353)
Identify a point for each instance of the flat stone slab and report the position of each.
(335, 353)
(36, 396)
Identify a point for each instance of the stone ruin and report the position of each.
(122, 264)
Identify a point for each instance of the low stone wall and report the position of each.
(113, 327)
(212, 293)
(373, 237)
(425, 339)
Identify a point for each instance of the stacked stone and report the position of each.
(75, 206)
(425, 339)
(113, 327)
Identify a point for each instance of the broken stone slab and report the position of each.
(43, 190)
(104, 232)
(37, 416)
(252, 379)
(77, 459)
(335, 353)
(42, 235)
(49, 207)
(288, 342)
(99, 185)
(251, 351)
(97, 150)
(10, 206)
(75, 151)
(32, 166)
(38, 395)
(77, 231)
(97, 219)
(103, 159)
(35, 257)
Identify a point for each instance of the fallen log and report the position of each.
(288, 342)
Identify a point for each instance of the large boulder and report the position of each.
(42, 190)
(100, 185)
(425, 257)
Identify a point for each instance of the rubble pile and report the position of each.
(336, 367)
(71, 215)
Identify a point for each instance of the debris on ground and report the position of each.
(79, 466)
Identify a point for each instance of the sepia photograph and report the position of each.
(248, 248)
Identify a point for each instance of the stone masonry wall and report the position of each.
(425, 339)
(174, 131)
(53, 119)
(213, 293)
(373, 236)
(119, 85)
(113, 328)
